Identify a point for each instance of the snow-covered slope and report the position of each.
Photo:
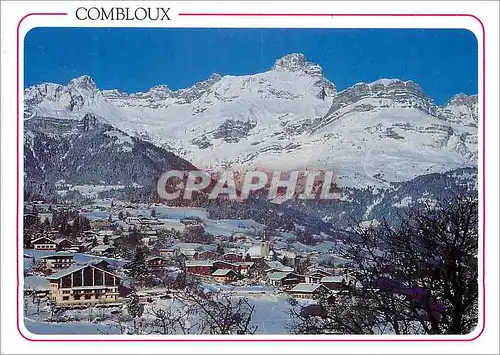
(288, 117)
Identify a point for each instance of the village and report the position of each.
(107, 253)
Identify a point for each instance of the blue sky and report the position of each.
(443, 62)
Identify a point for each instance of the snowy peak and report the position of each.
(80, 94)
(382, 93)
(462, 99)
(296, 62)
(84, 82)
(460, 109)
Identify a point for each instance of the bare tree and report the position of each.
(197, 311)
(171, 320)
(220, 313)
(418, 278)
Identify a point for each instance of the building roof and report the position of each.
(59, 240)
(306, 288)
(72, 269)
(188, 252)
(223, 272)
(199, 263)
(338, 279)
(103, 247)
(155, 257)
(232, 253)
(318, 272)
(66, 272)
(226, 262)
(37, 239)
(278, 275)
(276, 265)
(98, 261)
(246, 263)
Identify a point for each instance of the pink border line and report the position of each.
(253, 340)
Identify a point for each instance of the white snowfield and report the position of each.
(290, 117)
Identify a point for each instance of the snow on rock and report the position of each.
(289, 117)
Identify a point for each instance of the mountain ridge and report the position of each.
(289, 117)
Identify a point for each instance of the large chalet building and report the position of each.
(310, 291)
(44, 243)
(83, 285)
(58, 261)
(156, 264)
(199, 267)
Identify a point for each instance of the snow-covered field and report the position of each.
(40, 327)
(228, 227)
(271, 316)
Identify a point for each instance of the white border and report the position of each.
(17, 10)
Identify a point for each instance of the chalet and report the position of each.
(219, 264)
(156, 263)
(151, 234)
(58, 261)
(168, 252)
(276, 266)
(188, 253)
(199, 267)
(232, 257)
(246, 267)
(225, 275)
(44, 243)
(284, 279)
(315, 276)
(106, 250)
(64, 244)
(338, 282)
(309, 291)
(83, 285)
(99, 224)
(206, 255)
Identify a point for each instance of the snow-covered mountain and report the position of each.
(87, 151)
(288, 117)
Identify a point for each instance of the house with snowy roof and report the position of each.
(275, 265)
(315, 275)
(104, 249)
(199, 267)
(339, 282)
(83, 285)
(285, 278)
(44, 243)
(225, 275)
(58, 261)
(64, 244)
(309, 291)
(156, 263)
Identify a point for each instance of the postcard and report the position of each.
(203, 172)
